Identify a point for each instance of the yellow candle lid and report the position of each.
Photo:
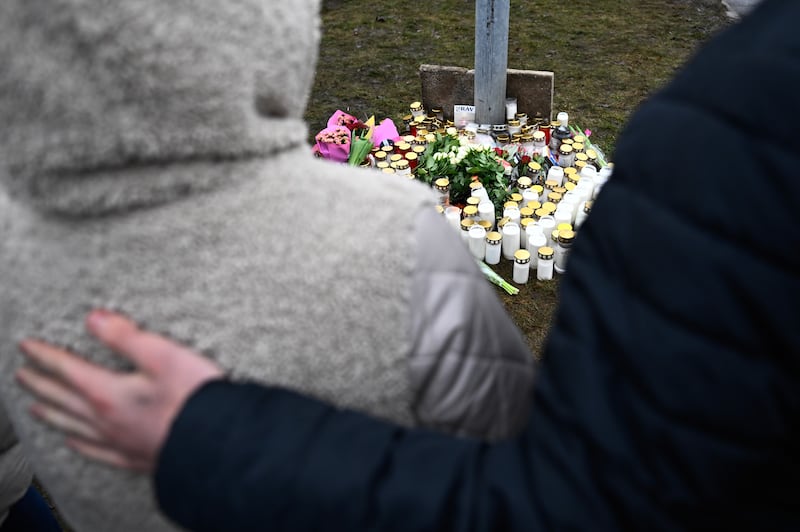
(522, 256)
(493, 237)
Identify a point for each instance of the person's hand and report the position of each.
(118, 418)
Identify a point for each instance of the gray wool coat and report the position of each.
(156, 160)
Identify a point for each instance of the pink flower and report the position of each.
(340, 118)
(333, 143)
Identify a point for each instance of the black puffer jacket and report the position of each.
(669, 397)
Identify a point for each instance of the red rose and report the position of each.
(356, 124)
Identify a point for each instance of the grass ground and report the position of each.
(607, 56)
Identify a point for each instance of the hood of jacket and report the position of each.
(115, 105)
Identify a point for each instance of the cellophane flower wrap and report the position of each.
(347, 139)
(386, 130)
(334, 141)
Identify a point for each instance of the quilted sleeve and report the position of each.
(470, 368)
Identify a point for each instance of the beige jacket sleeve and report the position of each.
(471, 370)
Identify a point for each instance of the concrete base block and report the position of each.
(445, 86)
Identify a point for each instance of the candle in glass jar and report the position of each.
(402, 168)
(546, 127)
(412, 159)
(486, 211)
(417, 111)
(493, 247)
(563, 215)
(510, 240)
(539, 142)
(471, 212)
(524, 223)
(566, 156)
(477, 243)
(547, 223)
(522, 266)
(544, 266)
(453, 216)
(536, 240)
(588, 172)
(466, 223)
(587, 183)
(583, 211)
(442, 186)
(555, 175)
(565, 239)
(529, 195)
(478, 191)
(549, 207)
(570, 200)
(511, 108)
(512, 213)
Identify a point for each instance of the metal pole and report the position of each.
(491, 60)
